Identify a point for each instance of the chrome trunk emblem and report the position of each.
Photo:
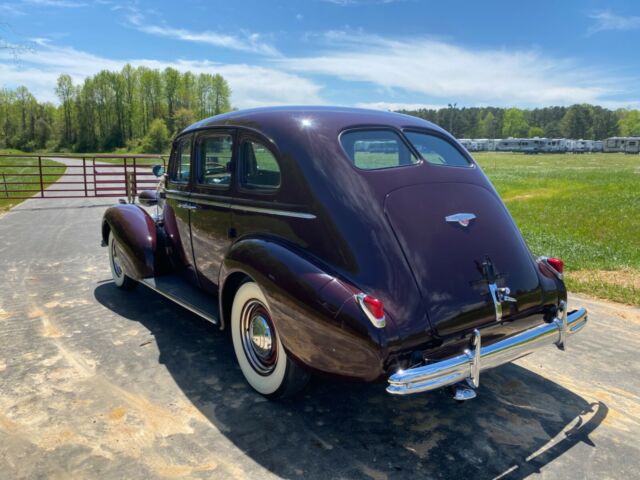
(463, 219)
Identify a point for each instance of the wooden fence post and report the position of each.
(4, 181)
(41, 179)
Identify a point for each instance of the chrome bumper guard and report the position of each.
(467, 367)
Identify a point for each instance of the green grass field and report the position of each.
(584, 209)
(31, 167)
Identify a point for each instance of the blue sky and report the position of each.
(373, 53)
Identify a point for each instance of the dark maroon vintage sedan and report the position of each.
(354, 243)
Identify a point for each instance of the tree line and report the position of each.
(137, 109)
(577, 121)
(141, 109)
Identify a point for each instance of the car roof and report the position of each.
(320, 117)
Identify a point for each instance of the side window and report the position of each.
(438, 151)
(182, 161)
(215, 157)
(258, 167)
(375, 149)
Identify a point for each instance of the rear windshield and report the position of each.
(374, 149)
(436, 150)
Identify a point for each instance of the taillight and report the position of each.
(552, 265)
(556, 263)
(373, 308)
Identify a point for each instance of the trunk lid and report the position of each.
(453, 264)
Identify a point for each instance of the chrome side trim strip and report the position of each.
(150, 283)
(271, 211)
(469, 364)
(241, 208)
(176, 195)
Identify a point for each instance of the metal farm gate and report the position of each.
(49, 176)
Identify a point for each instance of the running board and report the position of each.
(180, 291)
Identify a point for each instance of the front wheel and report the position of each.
(119, 277)
(258, 348)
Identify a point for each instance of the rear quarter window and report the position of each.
(436, 150)
(376, 148)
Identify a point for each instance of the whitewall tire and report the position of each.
(258, 347)
(120, 279)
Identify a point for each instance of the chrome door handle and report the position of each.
(188, 206)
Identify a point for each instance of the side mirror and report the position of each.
(158, 170)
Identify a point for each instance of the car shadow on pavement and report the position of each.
(519, 422)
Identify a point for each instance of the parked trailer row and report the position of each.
(552, 145)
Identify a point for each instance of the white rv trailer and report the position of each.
(570, 145)
(580, 146)
(508, 145)
(466, 143)
(632, 145)
(532, 145)
(615, 144)
(482, 144)
(556, 145)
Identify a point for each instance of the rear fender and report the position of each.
(315, 314)
(137, 239)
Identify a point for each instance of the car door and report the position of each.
(211, 218)
(259, 202)
(178, 191)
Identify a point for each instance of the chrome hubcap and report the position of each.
(115, 260)
(258, 337)
(261, 336)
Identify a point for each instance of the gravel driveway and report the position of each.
(99, 383)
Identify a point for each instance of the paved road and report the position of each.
(98, 383)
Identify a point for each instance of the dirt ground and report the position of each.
(99, 383)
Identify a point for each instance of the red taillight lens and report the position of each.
(375, 306)
(372, 308)
(556, 263)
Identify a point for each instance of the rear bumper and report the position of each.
(467, 367)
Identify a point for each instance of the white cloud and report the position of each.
(56, 3)
(607, 20)
(10, 9)
(394, 106)
(345, 3)
(251, 85)
(248, 42)
(400, 73)
(437, 69)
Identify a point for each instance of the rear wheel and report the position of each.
(258, 348)
(117, 272)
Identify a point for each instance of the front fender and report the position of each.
(315, 313)
(136, 234)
